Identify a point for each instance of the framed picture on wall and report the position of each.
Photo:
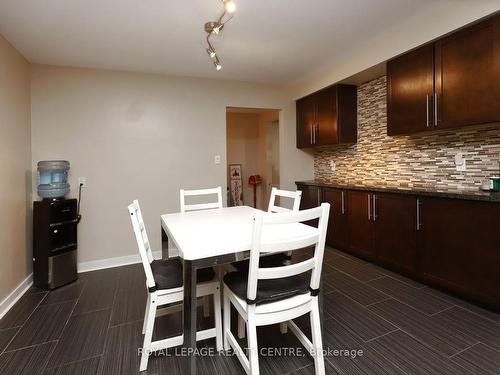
(236, 185)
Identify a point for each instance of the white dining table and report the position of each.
(208, 238)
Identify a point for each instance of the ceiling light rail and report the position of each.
(215, 27)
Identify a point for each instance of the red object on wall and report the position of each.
(254, 181)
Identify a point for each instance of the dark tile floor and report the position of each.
(94, 326)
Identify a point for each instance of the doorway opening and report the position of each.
(252, 149)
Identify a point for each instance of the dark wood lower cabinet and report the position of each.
(395, 237)
(311, 197)
(338, 227)
(360, 223)
(459, 247)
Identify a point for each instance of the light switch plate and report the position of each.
(333, 165)
(217, 159)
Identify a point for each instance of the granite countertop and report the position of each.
(467, 195)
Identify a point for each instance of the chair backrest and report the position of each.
(143, 244)
(200, 206)
(267, 222)
(295, 195)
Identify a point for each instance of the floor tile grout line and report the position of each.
(24, 323)
(463, 350)
(29, 346)
(363, 343)
(125, 323)
(414, 308)
(344, 294)
(489, 346)
(428, 346)
(117, 283)
(385, 334)
(415, 337)
(424, 287)
(478, 314)
(384, 300)
(448, 308)
(65, 324)
(43, 342)
(72, 362)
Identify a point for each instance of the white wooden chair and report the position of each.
(274, 295)
(272, 260)
(295, 195)
(197, 207)
(164, 283)
(200, 206)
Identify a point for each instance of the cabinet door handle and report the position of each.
(369, 207)
(435, 109)
(314, 132)
(311, 134)
(374, 207)
(419, 225)
(427, 110)
(343, 204)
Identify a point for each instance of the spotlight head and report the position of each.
(229, 6)
(211, 52)
(217, 63)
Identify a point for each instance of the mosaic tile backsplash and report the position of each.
(424, 161)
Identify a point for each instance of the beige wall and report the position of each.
(15, 169)
(143, 136)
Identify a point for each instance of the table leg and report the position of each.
(321, 309)
(189, 317)
(164, 243)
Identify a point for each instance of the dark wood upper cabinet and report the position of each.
(306, 109)
(468, 76)
(327, 117)
(395, 219)
(338, 228)
(360, 223)
(459, 247)
(410, 86)
(451, 83)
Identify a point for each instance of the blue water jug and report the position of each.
(53, 178)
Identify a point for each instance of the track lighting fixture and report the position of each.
(214, 28)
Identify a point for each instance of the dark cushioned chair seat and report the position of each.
(168, 273)
(270, 290)
(275, 260)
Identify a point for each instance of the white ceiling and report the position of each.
(278, 41)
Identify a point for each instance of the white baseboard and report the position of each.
(14, 296)
(100, 264)
(23, 287)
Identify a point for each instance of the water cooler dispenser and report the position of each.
(55, 222)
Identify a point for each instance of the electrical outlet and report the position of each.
(217, 159)
(82, 181)
(333, 165)
(460, 163)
